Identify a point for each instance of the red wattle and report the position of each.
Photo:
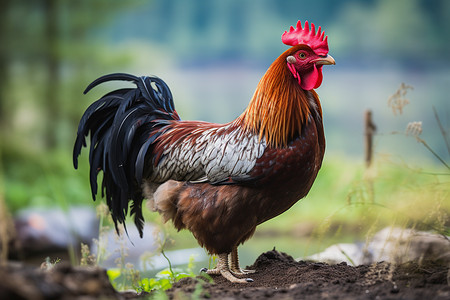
(311, 80)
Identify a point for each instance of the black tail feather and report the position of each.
(123, 124)
(111, 77)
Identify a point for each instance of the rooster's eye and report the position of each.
(302, 55)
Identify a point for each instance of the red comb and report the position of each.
(296, 36)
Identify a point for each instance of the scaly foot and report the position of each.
(234, 264)
(224, 270)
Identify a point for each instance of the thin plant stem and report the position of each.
(346, 255)
(432, 151)
(170, 264)
(443, 132)
(423, 143)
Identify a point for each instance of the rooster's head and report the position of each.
(308, 54)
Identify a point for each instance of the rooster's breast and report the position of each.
(288, 173)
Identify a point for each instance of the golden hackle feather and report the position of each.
(279, 106)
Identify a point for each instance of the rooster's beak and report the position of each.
(327, 60)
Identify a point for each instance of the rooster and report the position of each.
(219, 181)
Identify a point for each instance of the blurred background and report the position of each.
(212, 55)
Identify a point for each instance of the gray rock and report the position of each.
(44, 229)
(391, 244)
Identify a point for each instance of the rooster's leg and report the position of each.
(223, 268)
(234, 264)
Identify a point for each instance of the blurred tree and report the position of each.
(48, 44)
(4, 9)
(52, 64)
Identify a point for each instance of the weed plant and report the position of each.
(125, 276)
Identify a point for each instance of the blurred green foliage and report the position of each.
(39, 179)
(46, 52)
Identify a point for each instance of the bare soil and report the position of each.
(277, 276)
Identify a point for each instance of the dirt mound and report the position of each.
(279, 276)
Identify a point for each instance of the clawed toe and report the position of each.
(227, 274)
(240, 272)
(223, 269)
(230, 277)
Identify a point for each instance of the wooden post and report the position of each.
(369, 130)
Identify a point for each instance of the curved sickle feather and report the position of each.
(111, 77)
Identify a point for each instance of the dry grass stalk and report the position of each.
(414, 128)
(87, 258)
(398, 100)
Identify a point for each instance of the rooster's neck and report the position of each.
(279, 108)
